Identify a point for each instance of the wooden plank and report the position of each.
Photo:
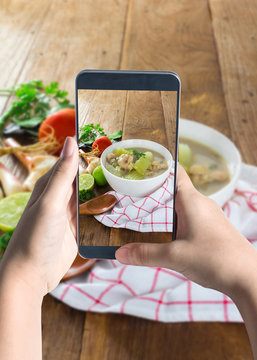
(120, 337)
(177, 35)
(62, 329)
(20, 23)
(80, 36)
(238, 58)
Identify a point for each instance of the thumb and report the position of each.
(59, 186)
(145, 254)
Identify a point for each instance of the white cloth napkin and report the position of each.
(161, 294)
(145, 214)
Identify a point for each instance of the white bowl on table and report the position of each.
(138, 188)
(220, 144)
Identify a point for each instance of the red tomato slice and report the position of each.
(63, 123)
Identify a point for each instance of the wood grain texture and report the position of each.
(62, 329)
(234, 25)
(177, 35)
(127, 338)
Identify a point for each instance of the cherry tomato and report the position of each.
(101, 144)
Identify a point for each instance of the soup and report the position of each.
(135, 163)
(208, 170)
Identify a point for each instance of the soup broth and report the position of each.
(135, 163)
(208, 170)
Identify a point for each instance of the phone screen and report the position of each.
(149, 115)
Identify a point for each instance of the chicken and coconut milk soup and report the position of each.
(207, 170)
(136, 163)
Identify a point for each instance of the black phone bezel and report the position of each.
(125, 80)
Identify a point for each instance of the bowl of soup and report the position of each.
(136, 167)
(211, 160)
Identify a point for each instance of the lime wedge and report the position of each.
(11, 209)
(86, 182)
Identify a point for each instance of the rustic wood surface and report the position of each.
(211, 44)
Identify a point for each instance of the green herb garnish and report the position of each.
(115, 136)
(90, 132)
(85, 195)
(4, 240)
(34, 101)
(137, 154)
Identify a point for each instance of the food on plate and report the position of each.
(34, 102)
(185, 155)
(86, 184)
(207, 169)
(92, 161)
(37, 165)
(135, 163)
(99, 176)
(61, 123)
(10, 183)
(11, 209)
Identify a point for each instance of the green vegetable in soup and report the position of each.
(133, 175)
(185, 156)
(142, 164)
(113, 170)
(120, 151)
(149, 155)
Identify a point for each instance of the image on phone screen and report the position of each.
(139, 114)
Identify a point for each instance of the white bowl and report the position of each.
(220, 144)
(137, 188)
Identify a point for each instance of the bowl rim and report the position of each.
(168, 171)
(238, 163)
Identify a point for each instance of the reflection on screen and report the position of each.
(149, 115)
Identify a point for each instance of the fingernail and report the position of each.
(67, 147)
(124, 255)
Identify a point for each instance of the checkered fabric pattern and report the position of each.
(148, 214)
(161, 294)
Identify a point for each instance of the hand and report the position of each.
(43, 245)
(208, 249)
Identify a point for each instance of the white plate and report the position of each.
(223, 146)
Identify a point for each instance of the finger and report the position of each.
(40, 185)
(143, 254)
(183, 180)
(61, 180)
(72, 211)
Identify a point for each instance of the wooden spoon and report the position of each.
(98, 205)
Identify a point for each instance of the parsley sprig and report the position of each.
(137, 154)
(90, 132)
(33, 104)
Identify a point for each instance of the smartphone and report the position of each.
(143, 105)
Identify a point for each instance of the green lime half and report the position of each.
(11, 209)
(86, 182)
(99, 176)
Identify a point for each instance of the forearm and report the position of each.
(244, 296)
(246, 302)
(20, 318)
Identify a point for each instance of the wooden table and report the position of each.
(212, 46)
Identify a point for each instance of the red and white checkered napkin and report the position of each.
(145, 214)
(161, 294)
